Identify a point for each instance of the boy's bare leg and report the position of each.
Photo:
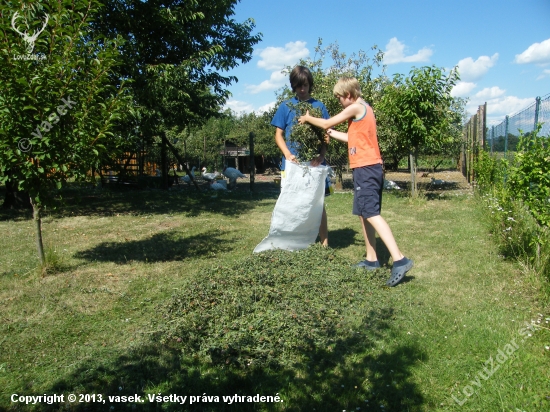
(385, 233)
(369, 234)
(323, 229)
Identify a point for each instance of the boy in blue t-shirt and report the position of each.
(301, 82)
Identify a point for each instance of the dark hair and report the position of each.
(298, 76)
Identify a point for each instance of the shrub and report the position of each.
(530, 176)
(490, 172)
(518, 196)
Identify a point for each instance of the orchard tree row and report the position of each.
(82, 81)
(416, 114)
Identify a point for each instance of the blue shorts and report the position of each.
(368, 182)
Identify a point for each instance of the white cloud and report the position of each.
(545, 73)
(490, 93)
(277, 58)
(266, 107)
(276, 80)
(462, 89)
(498, 105)
(239, 107)
(493, 121)
(395, 53)
(536, 53)
(471, 70)
(508, 105)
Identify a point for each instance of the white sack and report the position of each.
(298, 211)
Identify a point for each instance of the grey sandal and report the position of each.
(398, 272)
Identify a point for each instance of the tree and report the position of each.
(327, 66)
(418, 111)
(453, 140)
(260, 124)
(207, 141)
(501, 145)
(176, 52)
(414, 113)
(211, 138)
(58, 108)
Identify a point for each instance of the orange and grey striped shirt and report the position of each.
(363, 146)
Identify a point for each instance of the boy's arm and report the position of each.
(335, 134)
(349, 112)
(281, 143)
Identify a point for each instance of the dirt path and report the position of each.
(445, 182)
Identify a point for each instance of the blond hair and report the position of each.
(347, 86)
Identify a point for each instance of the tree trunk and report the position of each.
(122, 173)
(339, 179)
(412, 165)
(37, 217)
(93, 175)
(394, 166)
(252, 163)
(180, 160)
(164, 163)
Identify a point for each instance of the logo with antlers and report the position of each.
(29, 39)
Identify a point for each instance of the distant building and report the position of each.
(236, 156)
(239, 158)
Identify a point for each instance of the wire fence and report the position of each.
(503, 138)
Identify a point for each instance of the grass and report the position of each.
(107, 319)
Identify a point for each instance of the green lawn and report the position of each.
(136, 270)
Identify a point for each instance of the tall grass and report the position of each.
(517, 196)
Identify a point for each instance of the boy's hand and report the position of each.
(291, 158)
(303, 119)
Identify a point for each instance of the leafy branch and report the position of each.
(309, 138)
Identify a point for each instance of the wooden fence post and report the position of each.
(252, 163)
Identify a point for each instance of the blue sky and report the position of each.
(502, 47)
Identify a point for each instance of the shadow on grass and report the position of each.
(15, 215)
(78, 200)
(12, 214)
(343, 376)
(341, 238)
(161, 247)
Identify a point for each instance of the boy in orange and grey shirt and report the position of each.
(368, 177)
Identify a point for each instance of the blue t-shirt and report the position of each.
(285, 118)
